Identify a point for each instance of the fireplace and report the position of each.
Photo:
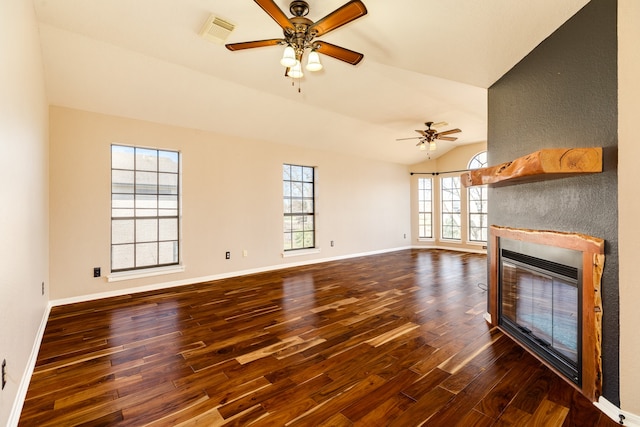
(540, 304)
(545, 294)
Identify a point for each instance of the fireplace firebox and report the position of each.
(540, 304)
(544, 292)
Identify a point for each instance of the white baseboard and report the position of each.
(18, 403)
(192, 280)
(616, 414)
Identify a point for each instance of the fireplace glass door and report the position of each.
(541, 308)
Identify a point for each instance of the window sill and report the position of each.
(300, 252)
(149, 272)
(426, 239)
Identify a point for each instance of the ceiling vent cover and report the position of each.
(216, 29)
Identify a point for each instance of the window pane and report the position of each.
(168, 202)
(296, 173)
(146, 201)
(122, 231)
(146, 183)
(296, 189)
(307, 189)
(168, 252)
(122, 181)
(307, 174)
(286, 206)
(122, 201)
(121, 257)
(146, 230)
(168, 183)
(146, 254)
(122, 157)
(308, 223)
(168, 161)
(146, 160)
(168, 229)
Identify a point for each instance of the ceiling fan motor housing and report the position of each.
(299, 8)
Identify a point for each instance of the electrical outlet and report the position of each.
(4, 373)
(332, 243)
(227, 255)
(96, 271)
(245, 253)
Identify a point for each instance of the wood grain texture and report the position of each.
(539, 165)
(395, 339)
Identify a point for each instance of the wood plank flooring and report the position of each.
(396, 339)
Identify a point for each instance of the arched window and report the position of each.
(477, 197)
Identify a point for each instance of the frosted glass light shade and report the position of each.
(288, 57)
(295, 72)
(313, 62)
(432, 146)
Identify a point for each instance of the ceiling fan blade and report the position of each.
(447, 138)
(450, 131)
(256, 43)
(421, 132)
(413, 137)
(338, 52)
(276, 13)
(339, 17)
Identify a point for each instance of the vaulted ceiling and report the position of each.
(424, 60)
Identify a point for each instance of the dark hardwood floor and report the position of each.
(395, 339)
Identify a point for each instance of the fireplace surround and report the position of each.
(545, 294)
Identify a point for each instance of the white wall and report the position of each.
(24, 229)
(232, 201)
(628, 200)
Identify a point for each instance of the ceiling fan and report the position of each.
(430, 135)
(300, 33)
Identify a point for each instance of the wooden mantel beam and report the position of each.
(539, 165)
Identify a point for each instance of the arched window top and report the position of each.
(478, 161)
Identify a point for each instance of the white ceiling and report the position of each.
(424, 60)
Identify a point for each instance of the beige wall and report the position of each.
(24, 193)
(629, 203)
(453, 160)
(232, 201)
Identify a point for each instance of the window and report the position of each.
(478, 203)
(450, 198)
(425, 208)
(144, 208)
(299, 207)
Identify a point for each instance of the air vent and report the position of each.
(216, 30)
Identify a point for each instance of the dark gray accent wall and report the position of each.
(564, 94)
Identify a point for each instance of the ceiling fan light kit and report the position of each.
(300, 33)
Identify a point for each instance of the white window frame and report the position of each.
(445, 212)
(425, 208)
(299, 209)
(477, 161)
(146, 193)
